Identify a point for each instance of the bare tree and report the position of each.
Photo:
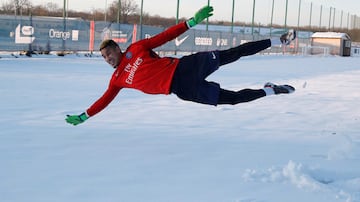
(128, 8)
(20, 6)
(53, 9)
(97, 14)
(7, 8)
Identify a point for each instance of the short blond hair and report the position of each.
(108, 43)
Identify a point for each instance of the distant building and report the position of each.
(355, 49)
(333, 42)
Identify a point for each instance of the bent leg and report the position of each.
(245, 95)
(250, 48)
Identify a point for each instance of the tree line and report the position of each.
(129, 13)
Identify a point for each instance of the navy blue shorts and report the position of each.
(189, 81)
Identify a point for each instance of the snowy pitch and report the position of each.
(144, 148)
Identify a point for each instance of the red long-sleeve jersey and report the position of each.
(142, 69)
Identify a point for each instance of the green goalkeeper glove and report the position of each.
(203, 13)
(77, 119)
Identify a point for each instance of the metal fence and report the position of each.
(45, 34)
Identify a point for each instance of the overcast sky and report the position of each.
(223, 8)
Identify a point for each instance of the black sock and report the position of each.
(245, 95)
(250, 48)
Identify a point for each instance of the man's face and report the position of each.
(111, 55)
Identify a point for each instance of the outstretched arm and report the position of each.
(175, 31)
(99, 105)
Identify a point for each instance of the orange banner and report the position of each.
(134, 33)
(92, 36)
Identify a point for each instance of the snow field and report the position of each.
(299, 147)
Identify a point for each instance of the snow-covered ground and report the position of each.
(155, 148)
